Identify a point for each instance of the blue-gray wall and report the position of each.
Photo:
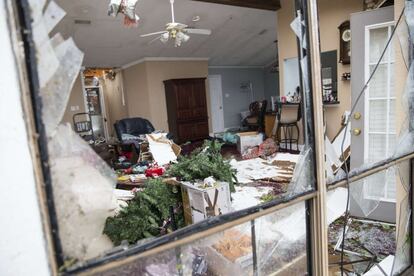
(271, 86)
(236, 101)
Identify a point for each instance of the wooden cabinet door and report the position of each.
(184, 100)
(201, 130)
(199, 99)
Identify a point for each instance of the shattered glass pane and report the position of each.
(164, 264)
(82, 182)
(260, 248)
(281, 242)
(374, 240)
(84, 185)
(378, 130)
(303, 177)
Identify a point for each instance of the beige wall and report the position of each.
(331, 14)
(145, 88)
(115, 109)
(136, 90)
(113, 102)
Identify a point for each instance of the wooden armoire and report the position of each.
(187, 109)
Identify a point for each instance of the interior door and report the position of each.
(373, 122)
(216, 103)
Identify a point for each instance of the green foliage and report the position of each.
(204, 162)
(146, 214)
(267, 197)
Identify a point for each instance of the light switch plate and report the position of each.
(74, 108)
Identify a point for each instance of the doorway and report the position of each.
(95, 107)
(373, 123)
(216, 103)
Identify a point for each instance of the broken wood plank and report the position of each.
(270, 5)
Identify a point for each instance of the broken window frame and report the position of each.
(315, 200)
(382, 166)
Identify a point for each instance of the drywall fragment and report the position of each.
(303, 177)
(56, 93)
(83, 194)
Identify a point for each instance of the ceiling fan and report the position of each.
(177, 31)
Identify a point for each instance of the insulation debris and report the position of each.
(251, 170)
(83, 191)
(126, 7)
(246, 196)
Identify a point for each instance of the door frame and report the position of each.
(101, 100)
(213, 113)
(386, 210)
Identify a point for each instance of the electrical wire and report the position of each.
(346, 129)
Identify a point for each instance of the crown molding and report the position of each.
(236, 67)
(146, 59)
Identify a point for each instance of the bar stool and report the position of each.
(288, 116)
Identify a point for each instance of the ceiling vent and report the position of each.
(82, 22)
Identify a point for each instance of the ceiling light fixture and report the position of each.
(180, 38)
(164, 37)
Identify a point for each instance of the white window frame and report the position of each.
(389, 61)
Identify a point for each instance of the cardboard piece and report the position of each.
(247, 140)
(200, 203)
(162, 149)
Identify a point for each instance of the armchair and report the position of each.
(129, 131)
(255, 121)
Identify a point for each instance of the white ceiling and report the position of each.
(241, 36)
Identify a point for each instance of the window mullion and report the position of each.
(319, 229)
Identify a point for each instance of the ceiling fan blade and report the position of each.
(156, 33)
(153, 40)
(198, 31)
